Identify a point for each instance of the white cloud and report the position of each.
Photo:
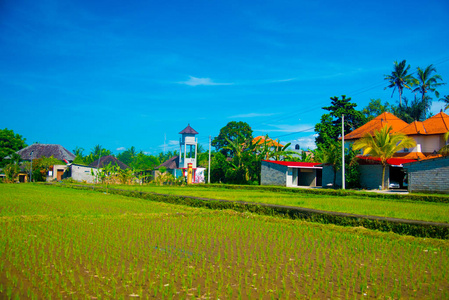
(121, 149)
(194, 81)
(437, 106)
(250, 115)
(307, 142)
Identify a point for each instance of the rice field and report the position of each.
(62, 243)
(423, 211)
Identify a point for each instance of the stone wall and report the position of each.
(273, 174)
(429, 175)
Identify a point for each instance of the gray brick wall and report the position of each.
(273, 174)
(429, 175)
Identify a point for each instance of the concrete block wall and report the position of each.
(371, 176)
(429, 175)
(328, 176)
(82, 173)
(273, 174)
(307, 177)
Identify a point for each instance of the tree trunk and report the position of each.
(383, 176)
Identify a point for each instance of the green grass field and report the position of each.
(76, 244)
(411, 210)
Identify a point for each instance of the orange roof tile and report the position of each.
(410, 155)
(261, 139)
(377, 124)
(437, 124)
(414, 128)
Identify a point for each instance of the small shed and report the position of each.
(291, 174)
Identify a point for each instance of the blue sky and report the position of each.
(122, 74)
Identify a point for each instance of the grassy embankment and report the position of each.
(354, 204)
(81, 244)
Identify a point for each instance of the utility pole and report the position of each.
(208, 169)
(343, 151)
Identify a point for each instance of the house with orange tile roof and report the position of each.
(427, 134)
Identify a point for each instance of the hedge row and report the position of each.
(332, 192)
(404, 227)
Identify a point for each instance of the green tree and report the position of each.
(375, 108)
(329, 129)
(415, 111)
(427, 82)
(79, 157)
(11, 172)
(383, 145)
(218, 167)
(399, 79)
(42, 165)
(445, 99)
(230, 132)
(331, 155)
(445, 150)
(10, 142)
(96, 153)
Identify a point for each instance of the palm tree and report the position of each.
(399, 79)
(445, 150)
(445, 99)
(383, 145)
(427, 83)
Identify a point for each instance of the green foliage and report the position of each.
(230, 132)
(445, 99)
(42, 165)
(11, 171)
(10, 142)
(399, 79)
(95, 154)
(352, 173)
(426, 81)
(417, 110)
(329, 128)
(330, 155)
(138, 160)
(218, 167)
(375, 108)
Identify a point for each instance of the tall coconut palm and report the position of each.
(383, 145)
(426, 82)
(445, 99)
(400, 79)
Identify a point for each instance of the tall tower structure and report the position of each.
(188, 147)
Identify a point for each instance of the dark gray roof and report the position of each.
(47, 150)
(172, 163)
(105, 160)
(189, 129)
